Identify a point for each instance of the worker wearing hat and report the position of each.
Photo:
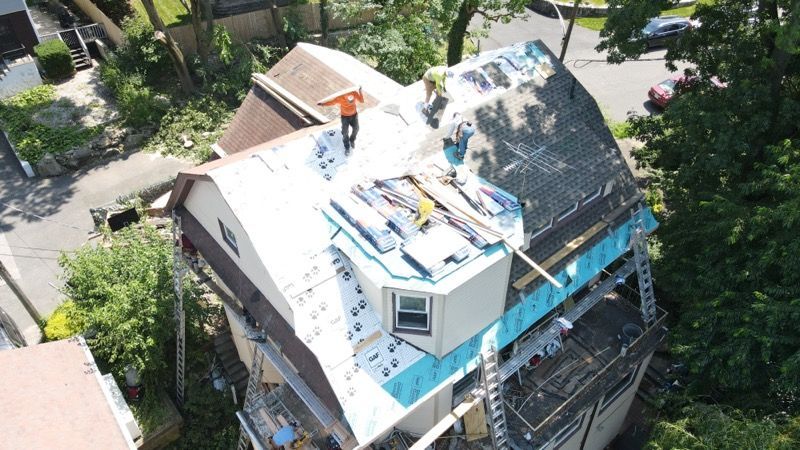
(435, 79)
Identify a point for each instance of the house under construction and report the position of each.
(400, 294)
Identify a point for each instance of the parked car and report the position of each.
(10, 336)
(661, 30)
(663, 93)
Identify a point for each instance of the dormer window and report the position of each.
(228, 237)
(412, 313)
(565, 213)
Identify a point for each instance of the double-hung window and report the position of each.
(412, 313)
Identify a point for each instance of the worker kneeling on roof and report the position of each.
(435, 78)
(349, 116)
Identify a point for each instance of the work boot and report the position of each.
(347, 151)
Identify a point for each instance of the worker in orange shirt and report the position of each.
(349, 116)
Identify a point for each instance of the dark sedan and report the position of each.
(662, 30)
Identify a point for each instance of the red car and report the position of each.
(663, 93)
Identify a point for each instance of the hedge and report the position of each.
(55, 59)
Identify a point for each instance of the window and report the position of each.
(412, 313)
(537, 232)
(593, 195)
(229, 237)
(565, 213)
(563, 436)
(616, 391)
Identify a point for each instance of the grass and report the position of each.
(172, 12)
(597, 23)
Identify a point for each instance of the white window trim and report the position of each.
(229, 237)
(543, 229)
(593, 195)
(428, 311)
(568, 431)
(610, 397)
(569, 212)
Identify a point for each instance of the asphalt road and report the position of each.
(618, 89)
(41, 218)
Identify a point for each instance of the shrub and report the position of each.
(141, 53)
(55, 59)
(63, 323)
(198, 120)
(137, 103)
(116, 10)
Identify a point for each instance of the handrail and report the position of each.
(13, 54)
(92, 32)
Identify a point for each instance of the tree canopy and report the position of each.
(728, 162)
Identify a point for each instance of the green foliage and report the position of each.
(209, 418)
(116, 10)
(712, 427)
(140, 53)
(171, 12)
(136, 102)
(728, 163)
(55, 59)
(123, 297)
(293, 28)
(63, 323)
(401, 46)
(32, 139)
(197, 120)
(621, 130)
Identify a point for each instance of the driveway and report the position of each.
(40, 218)
(618, 89)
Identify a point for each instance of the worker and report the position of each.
(349, 116)
(435, 79)
(464, 131)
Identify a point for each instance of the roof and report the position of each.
(533, 101)
(56, 394)
(307, 73)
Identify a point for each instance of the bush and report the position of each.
(141, 53)
(199, 121)
(116, 10)
(63, 323)
(136, 102)
(55, 59)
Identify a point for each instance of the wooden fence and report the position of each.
(258, 24)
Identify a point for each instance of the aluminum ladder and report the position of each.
(179, 270)
(252, 390)
(642, 259)
(493, 388)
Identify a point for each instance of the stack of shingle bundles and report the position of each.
(399, 221)
(368, 222)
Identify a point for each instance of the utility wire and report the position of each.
(45, 218)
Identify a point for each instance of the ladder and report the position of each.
(493, 388)
(250, 394)
(642, 260)
(179, 270)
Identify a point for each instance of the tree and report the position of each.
(713, 427)
(121, 298)
(456, 15)
(323, 21)
(175, 53)
(728, 162)
(401, 42)
(198, 9)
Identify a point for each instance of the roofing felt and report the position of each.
(52, 396)
(294, 178)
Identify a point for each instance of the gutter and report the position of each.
(249, 430)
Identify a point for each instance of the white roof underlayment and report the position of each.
(280, 196)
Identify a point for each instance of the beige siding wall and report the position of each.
(473, 306)
(427, 342)
(245, 349)
(574, 441)
(89, 8)
(206, 204)
(426, 415)
(606, 425)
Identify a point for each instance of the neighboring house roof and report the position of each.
(285, 98)
(569, 154)
(53, 396)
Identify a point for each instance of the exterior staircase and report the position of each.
(235, 370)
(77, 49)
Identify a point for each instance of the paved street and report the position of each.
(617, 88)
(30, 245)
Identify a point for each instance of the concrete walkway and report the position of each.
(40, 218)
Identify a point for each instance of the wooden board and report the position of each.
(475, 423)
(339, 93)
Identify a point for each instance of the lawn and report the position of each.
(597, 23)
(172, 12)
